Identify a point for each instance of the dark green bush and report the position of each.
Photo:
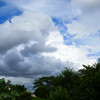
(59, 94)
(24, 96)
(13, 92)
(42, 91)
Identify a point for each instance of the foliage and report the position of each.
(36, 98)
(68, 79)
(13, 92)
(47, 81)
(81, 85)
(43, 86)
(90, 82)
(59, 94)
(69, 85)
(89, 87)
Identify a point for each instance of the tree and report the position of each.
(59, 94)
(81, 85)
(13, 92)
(43, 86)
(67, 79)
(6, 93)
(89, 88)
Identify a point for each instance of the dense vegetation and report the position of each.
(13, 92)
(81, 85)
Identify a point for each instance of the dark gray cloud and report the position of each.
(12, 57)
(37, 48)
(16, 65)
(29, 61)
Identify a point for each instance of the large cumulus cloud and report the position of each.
(15, 65)
(37, 48)
(22, 44)
(31, 46)
(29, 26)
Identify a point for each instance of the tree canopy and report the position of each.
(83, 84)
(13, 92)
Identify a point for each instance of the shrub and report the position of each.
(13, 92)
(59, 94)
(42, 91)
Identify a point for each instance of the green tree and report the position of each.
(89, 88)
(59, 94)
(81, 85)
(13, 92)
(43, 86)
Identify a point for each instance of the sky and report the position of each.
(41, 37)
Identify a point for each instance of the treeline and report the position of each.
(83, 84)
(13, 92)
(71, 85)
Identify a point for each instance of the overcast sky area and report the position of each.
(41, 37)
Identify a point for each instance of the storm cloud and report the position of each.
(22, 44)
(37, 48)
(17, 66)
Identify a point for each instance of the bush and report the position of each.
(13, 92)
(42, 91)
(36, 98)
(59, 94)
(24, 96)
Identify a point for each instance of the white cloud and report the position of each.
(36, 26)
(71, 53)
(16, 38)
(28, 26)
(54, 8)
(86, 6)
(87, 26)
(88, 21)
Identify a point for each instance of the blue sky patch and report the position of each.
(7, 12)
(67, 37)
(2, 3)
(96, 54)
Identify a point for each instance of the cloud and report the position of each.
(86, 27)
(28, 26)
(15, 65)
(88, 20)
(7, 11)
(22, 45)
(72, 53)
(54, 8)
(37, 48)
(31, 45)
(86, 6)
(33, 48)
